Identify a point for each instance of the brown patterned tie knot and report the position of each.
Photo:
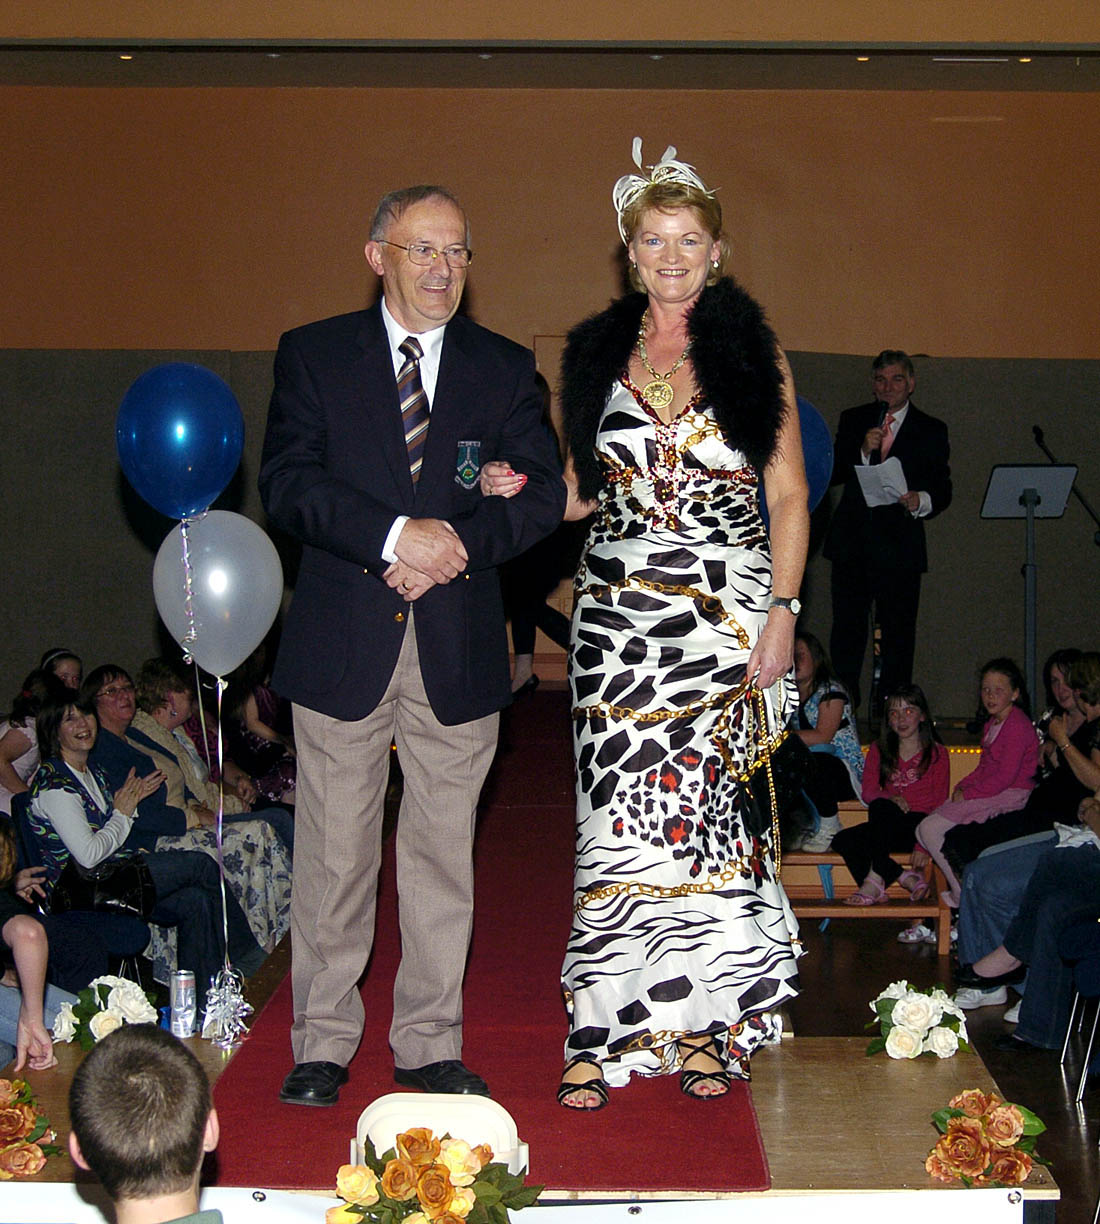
(414, 403)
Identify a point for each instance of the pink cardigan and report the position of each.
(1009, 762)
(923, 794)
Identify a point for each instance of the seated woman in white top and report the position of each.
(75, 816)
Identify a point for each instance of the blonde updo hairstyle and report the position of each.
(670, 197)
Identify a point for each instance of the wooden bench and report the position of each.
(814, 895)
(823, 902)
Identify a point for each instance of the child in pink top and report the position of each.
(1005, 773)
(906, 775)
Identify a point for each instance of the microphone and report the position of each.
(876, 455)
(1037, 433)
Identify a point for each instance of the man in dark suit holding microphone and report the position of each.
(378, 425)
(879, 552)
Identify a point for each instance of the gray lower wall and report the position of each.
(78, 543)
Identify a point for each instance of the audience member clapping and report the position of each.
(77, 822)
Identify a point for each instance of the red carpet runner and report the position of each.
(649, 1138)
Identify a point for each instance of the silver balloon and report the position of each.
(218, 583)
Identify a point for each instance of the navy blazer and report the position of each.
(887, 536)
(335, 475)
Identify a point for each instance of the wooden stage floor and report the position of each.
(833, 1120)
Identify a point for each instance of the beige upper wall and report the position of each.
(1034, 22)
(955, 224)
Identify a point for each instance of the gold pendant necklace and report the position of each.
(658, 393)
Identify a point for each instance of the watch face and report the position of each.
(795, 606)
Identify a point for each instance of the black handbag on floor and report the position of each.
(116, 886)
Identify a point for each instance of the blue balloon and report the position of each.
(817, 450)
(180, 434)
(817, 455)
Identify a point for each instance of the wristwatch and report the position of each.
(793, 606)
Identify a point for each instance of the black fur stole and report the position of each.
(733, 351)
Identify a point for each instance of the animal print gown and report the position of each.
(680, 925)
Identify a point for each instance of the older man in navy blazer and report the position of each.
(879, 553)
(378, 425)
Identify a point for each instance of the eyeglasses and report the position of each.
(116, 690)
(423, 255)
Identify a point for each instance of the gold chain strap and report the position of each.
(607, 709)
(737, 869)
(760, 712)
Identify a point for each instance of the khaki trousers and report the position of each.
(342, 772)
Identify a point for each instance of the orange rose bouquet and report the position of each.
(984, 1141)
(26, 1137)
(425, 1180)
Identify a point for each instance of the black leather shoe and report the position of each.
(1009, 1042)
(967, 977)
(447, 1076)
(314, 1083)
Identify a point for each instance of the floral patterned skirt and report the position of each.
(257, 871)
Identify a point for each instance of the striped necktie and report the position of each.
(887, 435)
(414, 403)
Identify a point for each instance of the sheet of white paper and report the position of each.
(882, 483)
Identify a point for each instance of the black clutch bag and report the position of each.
(773, 784)
(115, 886)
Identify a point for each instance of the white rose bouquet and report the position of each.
(913, 1022)
(101, 1007)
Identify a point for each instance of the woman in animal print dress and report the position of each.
(679, 406)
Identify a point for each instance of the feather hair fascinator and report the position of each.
(667, 170)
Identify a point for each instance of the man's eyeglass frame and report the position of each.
(463, 254)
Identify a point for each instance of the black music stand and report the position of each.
(1020, 490)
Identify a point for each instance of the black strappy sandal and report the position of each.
(596, 1085)
(689, 1079)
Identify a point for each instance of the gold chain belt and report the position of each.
(737, 869)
